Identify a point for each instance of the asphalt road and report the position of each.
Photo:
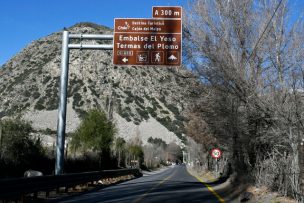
(172, 185)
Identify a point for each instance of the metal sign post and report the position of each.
(216, 154)
(61, 124)
(137, 42)
(62, 104)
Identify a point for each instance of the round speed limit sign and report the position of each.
(216, 153)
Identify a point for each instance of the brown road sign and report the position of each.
(167, 12)
(147, 42)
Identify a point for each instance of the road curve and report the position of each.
(172, 185)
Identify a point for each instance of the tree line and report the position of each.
(93, 146)
(96, 134)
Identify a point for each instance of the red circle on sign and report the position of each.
(216, 153)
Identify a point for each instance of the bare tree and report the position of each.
(248, 55)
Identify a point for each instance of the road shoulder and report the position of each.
(205, 181)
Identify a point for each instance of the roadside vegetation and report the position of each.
(96, 137)
(249, 57)
(93, 146)
(95, 134)
(18, 150)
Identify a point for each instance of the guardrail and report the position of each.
(17, 187)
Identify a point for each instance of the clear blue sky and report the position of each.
(23, 21)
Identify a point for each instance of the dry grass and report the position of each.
(264, 195)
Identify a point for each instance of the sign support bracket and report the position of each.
(61, 123)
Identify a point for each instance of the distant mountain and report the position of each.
(146, 101)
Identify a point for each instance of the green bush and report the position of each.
(95, 133)
(143, 113)
(163, 99)
(173, 109)
(116, 85)
(48, 131)
(52, 103)
(27, 93)
(125, 114)
(164, 112)
(36, 95)
(46, 79)
(94, 92)
(40, 104)
(157, 142)
(77, 99)
(129, 100)
(155, 104)
(17, 146)
(139, 99)
(152, 111)
(148, 97)
(81, 113)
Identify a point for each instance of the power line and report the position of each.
(256, 45)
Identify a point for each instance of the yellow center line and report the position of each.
(151, 189)
(221, 200)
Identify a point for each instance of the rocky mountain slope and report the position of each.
(147, 101)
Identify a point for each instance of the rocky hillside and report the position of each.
(149, 101)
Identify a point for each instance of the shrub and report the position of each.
(95, 133)
(136, 122)
(40, 104)
(164, 112)
(46, 79)
(155, 104)
(17, 147)
(76, 99)
(173, 109)
(152, 111)
(157, 142)
(36, 95)
(143, 113)
(129, 100)
(141, 100)
(27, 93)
(116, 85)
